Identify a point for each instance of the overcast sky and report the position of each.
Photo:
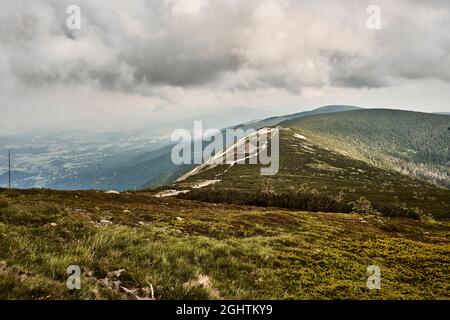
(173, 58)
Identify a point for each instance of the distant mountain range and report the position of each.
(416, 144)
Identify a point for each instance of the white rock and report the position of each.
(202, 184)
(112, 192)
(170, 193)
(299, 136)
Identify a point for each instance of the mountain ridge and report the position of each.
(155, 168)
(414, 143)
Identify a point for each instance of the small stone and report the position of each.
(88, 274)
(112, 192)
(129, 291)
(53, 224)
(116, 273)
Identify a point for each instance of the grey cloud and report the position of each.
(357, 72)
(234, 45)
(412, 45)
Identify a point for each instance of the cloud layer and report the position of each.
(170, 48)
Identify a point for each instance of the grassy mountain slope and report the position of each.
(155, 168)
(129, 243)
(307, 166)
(413, 143)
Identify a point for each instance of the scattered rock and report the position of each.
(126, 211)
(105, 222)
(106, 282)
(145, 293)
(179, 218)
(299, 136)
(170, 193)
(203, 281)
(116, 274)
(112, 281)
(88, 274)
(202, 184)
(112, 192)
(77, 211)
(148, 293)
(53, 224)
(129, 291)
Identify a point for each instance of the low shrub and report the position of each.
(299, 200)
(4, 204)
(289, 199)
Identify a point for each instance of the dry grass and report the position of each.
(179, 249)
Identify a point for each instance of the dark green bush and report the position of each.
(391, 211)
(298, 200)
(4, 204)
(289, 199)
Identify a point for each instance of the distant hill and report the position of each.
(412, 143)
(223, 119)
(272, 121)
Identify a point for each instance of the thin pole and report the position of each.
(9, 168)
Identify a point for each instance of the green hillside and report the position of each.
(310, 168)
(412, 143)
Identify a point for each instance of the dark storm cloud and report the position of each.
(135, 46)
